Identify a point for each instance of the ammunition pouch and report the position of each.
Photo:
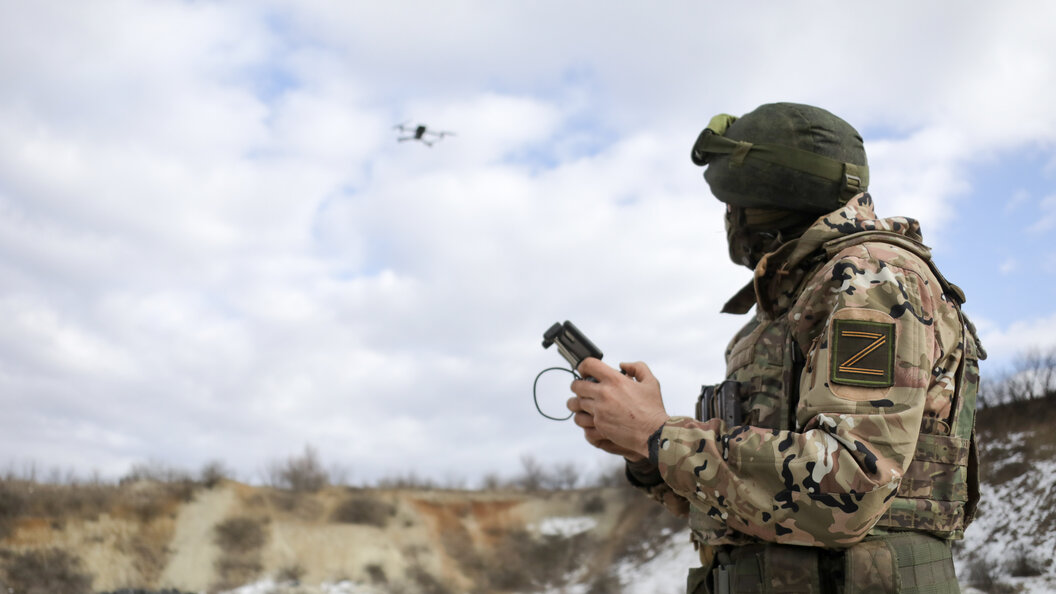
(720, 401)
(904, 563)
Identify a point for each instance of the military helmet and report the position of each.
(783, 155)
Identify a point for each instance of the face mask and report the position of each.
(751, 233)
(746, 246)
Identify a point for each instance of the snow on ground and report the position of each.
(666, 572)
(663, 573)
(565, 527)
(1010, 529)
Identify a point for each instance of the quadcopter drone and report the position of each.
(420, 133)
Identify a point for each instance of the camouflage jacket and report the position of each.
(855, 347)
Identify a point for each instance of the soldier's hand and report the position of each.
(594, 437)
(624, 409)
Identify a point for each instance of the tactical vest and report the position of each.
(940, 489)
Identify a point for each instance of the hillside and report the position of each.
(234, 537)
(198, 539)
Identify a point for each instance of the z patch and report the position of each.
(863, 353)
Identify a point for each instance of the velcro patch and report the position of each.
(863, 353)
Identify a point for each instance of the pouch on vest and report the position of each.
(720, 401)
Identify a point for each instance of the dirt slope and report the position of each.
(209, 540)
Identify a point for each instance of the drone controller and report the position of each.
(572, 344)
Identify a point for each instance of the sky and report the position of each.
(213, 246)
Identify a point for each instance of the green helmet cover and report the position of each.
(783, 155)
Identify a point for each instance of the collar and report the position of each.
(779, 273)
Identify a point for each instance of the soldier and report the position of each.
(839, 454)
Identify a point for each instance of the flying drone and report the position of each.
(421, 134)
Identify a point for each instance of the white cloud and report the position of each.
(1006, 343)
(211, 244)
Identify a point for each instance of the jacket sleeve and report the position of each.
(867, 320)
(645, 476)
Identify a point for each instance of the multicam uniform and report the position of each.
(857, 382)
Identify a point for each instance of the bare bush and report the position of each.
(982, 575)
(1022, 565)
(562, 477)
(236, 570)
(1032, 376)
(491, 482)
(611, 476)
(522, 562)
(365, 510)
(594, 505)
(407, 481)
(605, 583)
(13, 502)
(213, 473)
(291, 574)
(240, 535)
(240, 540)
(57, 502)
(533, 475)
(425, 581)
(647, 527)
(376, 573)
(45, 571)
(156, 471)
(304, 473)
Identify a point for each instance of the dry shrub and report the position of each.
(522, 562)
(605, 583)
(155, 471)
(57, 503)
(376, 573)
(145, 506)
(363, 509)
(291, 574)
(303, 474)
(426, 582)
(980, 575)
(13, 502)
(240, 535)
(240, 540)
(410, 481)
(300, 505)
(643, 528)
(999, 475)
(594, 504)
(213, 473)
(45, 571)
(234, 571)
(1022, 565)
(459, 546)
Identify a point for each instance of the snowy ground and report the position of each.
(1012, 532)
